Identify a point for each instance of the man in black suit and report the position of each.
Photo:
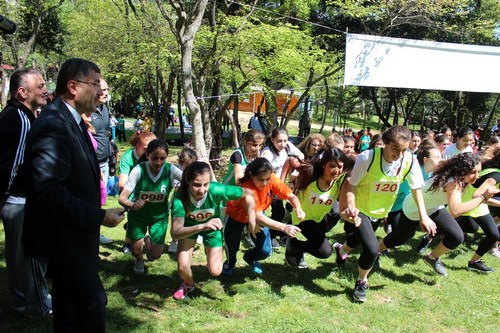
(63, 213)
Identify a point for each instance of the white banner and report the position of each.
(406, 63)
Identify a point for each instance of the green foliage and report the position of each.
(50, 37)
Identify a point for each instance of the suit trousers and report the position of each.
(79, 300)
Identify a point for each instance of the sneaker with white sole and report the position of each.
(246, 240)
(172, 248)
(302, 263)
(423, 244)
(104, 240)
(340, 258)
(126, 248)
(138, 266)
(479, 266)
(183, 291)
(495, 252)
(275, 244)
(436, 264)
(360, 289)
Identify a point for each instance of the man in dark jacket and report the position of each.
(100, 121)
(26, 275)
(63, 213)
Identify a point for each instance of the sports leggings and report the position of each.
(491, 235)
(445, 223)
(316, 243)
(364, 235)
(232, 237)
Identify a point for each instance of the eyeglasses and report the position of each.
(94, 84)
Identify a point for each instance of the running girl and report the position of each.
(465, 137)
(196, 211)
(128, 161)
(376, 176)
(263, 183)
(252, 144)
(150, 183)
(311, 145)
(320, 184)
(277, 153)
(488, 177)
(446, 185)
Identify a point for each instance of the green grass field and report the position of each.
(404, 296)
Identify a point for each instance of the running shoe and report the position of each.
(495, 252)
(360, 289)
(183, 291)
(104, 240)
(246, 239)
(275, 244)
(226, 270)
(436, 264)
(479, 266)
(423, 244)
(340, 259)
(199, 240)
(302, 263)
(256, 268)
(126, 248)
(172, 248)
(138, 266)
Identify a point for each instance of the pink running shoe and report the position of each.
(182, 292)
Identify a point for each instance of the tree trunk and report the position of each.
(327, 104)
(162, 115)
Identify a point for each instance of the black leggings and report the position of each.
(467, 224)
(393, 218)
(445, 223)
(277, 214)
(316, 244)
(490, 230)
(364, 235)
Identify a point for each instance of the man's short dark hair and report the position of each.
(18, 79)
(74, 69)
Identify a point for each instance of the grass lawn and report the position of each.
(404, 295)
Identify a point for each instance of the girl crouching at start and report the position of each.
(196, 211)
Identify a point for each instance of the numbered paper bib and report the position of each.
(152, 197)
(201, 215)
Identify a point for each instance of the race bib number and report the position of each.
(315, 199)
(153, 197)
(384, 187)
(201, 215)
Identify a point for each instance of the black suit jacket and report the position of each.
(62, 214)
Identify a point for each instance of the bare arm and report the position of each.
(238, 172)
(347, 204)
(179, 231)
(288, 229)
(426, 223)
(295, 202)
(455, 204)
(122, 180)
(250, 208)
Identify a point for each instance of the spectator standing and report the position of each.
(113, 122)
(100, 120)
(63, 213)
(25, 274)
(120, 128)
